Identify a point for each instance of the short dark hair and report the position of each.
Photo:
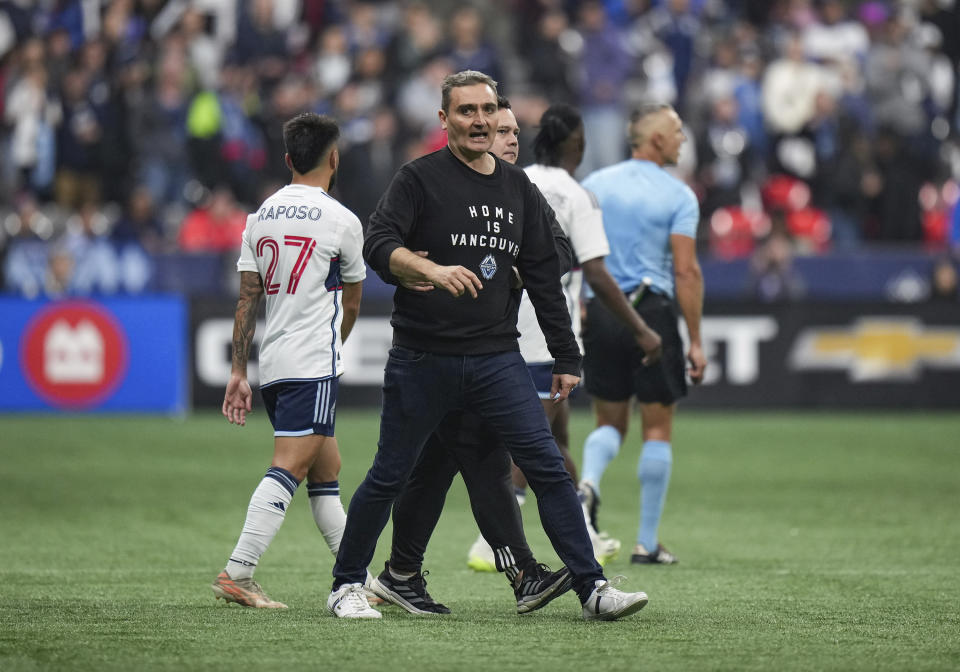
(556, 125)
(307, 138)
(463, 78)
(503, 103)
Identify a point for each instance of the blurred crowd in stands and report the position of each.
(135, 129)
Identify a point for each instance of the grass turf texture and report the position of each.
(807, 542)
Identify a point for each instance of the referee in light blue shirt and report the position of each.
(650, 218)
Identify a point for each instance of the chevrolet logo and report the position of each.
(877, 349)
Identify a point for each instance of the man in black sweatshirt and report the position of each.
(476, 217)
(464, 443)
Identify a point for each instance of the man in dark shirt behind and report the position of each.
(473, 215)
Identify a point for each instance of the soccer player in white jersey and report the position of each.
(558, 149)
(303, 250)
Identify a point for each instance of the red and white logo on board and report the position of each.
(74, 354)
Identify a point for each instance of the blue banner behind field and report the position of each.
(110, 355)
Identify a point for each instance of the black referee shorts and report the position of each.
(612, 366)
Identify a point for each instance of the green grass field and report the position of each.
(807, 542)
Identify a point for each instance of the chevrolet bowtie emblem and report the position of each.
(878, 348)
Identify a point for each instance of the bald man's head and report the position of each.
(643, 121)
(655, 133)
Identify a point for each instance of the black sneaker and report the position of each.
(590, 500)
(661, 556)
(410, 594)
(536, 587)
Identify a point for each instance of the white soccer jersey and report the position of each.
(305, 245)
(581, 219)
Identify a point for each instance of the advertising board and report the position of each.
(118, 354)
(802, 355)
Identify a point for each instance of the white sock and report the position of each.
(328, 512)
(265, 514)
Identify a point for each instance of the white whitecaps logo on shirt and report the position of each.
(488, 267)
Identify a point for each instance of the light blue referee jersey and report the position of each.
(643, 205)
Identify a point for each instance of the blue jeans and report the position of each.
(419, 389)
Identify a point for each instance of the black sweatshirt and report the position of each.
(486, 223)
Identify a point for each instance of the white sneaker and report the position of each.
(349, 601)
(480, 557)
(606, 603)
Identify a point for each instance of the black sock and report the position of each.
(585, 592)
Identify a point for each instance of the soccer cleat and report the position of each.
(590, 500)
(605, 547)
(349, 601)
(606, 603)
(480, 556)
(410, 594)
(245, 592)
(535, 588)
(661, 556)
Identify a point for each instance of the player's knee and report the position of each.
(615, 415)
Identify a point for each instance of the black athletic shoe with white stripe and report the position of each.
(537, 586)
(410, 594)
(661, 556)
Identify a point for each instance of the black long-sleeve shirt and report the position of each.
(486, 223)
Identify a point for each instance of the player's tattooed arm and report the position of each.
(245, 319)
(238, 398)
